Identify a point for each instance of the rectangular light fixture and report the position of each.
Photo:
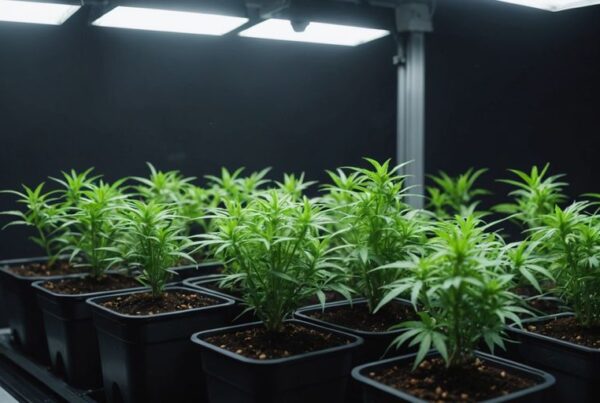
(315, 32)
(36, 13)
(553, 5)
(153, 19)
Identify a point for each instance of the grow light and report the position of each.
(36, 13)
(553, 5)
(153, 19)
(315, 32)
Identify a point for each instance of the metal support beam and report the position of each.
(410, 141)
(413, 19)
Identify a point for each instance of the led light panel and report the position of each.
(553, 5)
(315, 32)
(152, 19)
(36, 13)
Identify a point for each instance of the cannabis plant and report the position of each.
(374, 226)
(276, 249)
(528, 263)
(73, 183)
(234, 186)
(536, 193)
(152, 242)
(93, 226)
(460, 290)
(44, 212)
(455, 195)
(293, 185)
(571, 237)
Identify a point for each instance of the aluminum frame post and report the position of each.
(413, 20)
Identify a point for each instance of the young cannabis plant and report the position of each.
(277, 250)
(93, 226)
(293, 185)
(461, 293)
(528, 264)
(73, 184)
(455, 195)
(571, 237)
(153, 242)
(232, 186)
(44, 212)
(374, 226)
(536, 194)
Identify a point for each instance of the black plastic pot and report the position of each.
(71, 336)
(316, 377)
(24, 315)
(202, 269)
(376, 392)
(374, 348)
(209, 284)
(575, 367)
(149, 358)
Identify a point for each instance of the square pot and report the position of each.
(575, 367)
(376, 392)
(149, 358)
(70, 334)
(318, 376)
(25, 316)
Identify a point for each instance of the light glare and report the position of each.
(168, 20)
(36, 13)
(553, 5)
(315, 32)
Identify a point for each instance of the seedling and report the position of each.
(571, 237)
(455, 195)
(461, 292)
(277, 250)
(293, 185)
(45, 213)
(153, 242)
(93, 226)
(536, 194)
(374, 226)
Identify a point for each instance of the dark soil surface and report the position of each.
(146, 304)
(293, 340)
(60, 268)
(358, 316)
(546, 306)
(567, 329)
(432, 381)
(85, 285)
(214, 286)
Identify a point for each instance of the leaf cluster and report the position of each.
(455, 195)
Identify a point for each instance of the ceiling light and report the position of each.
(36, 13)
(315, 32)
(153, 19)
(553, 5)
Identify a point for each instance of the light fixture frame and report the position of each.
(72, 3)
(536, 4)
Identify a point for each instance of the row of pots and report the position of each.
(150, 358)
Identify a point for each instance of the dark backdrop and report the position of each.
(507, 86)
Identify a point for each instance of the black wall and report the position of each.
(507, 86)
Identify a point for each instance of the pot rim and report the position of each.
(526, 333)
(95, 303)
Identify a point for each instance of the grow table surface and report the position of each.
(29, 381)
